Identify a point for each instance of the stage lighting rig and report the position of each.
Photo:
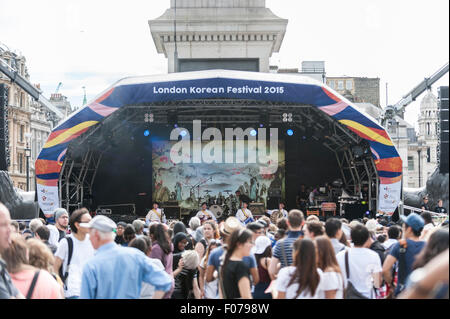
(149, 118)
(287, 118)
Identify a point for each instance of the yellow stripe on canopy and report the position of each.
(367, 131)
(68, 133)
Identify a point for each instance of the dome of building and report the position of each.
(429, 102)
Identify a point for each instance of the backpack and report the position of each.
(351, 292)
(65, 275)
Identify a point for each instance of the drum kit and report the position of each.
(221, 206)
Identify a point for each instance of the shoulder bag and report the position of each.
(351, 292)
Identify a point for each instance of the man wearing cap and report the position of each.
(405, 251)
(155, 215)
(59, 230)
(117, 272)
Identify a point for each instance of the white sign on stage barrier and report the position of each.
(48, 199)
(389, 197)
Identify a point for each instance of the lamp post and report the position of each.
(28, 155)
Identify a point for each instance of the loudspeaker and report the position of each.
(4, 132)
(444, 129)
(172, 212)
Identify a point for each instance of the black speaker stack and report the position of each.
(444, 134)
(4, 133)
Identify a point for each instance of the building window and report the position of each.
(20, 163)
(410, 163)
(428, 155)
(349, 85)
(331, 84)
(340, 85)
(21, 133)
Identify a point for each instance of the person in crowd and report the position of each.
(194, 223)
(23, 274)
(117, 272)
(209, 233)
(40, 256)
(26, 234)
(22, 227)
(73, 253)
(382, 239)
(425, 205)
(205, 214)
(431, 281)
(120, 239)
(180, 242)
(393, 237)
(263, 255)
(428, 227)
(301, 280)
(234, 275)
(155, 215)
(43, 234)
(404, 252)
(15, 227)
(129, 234)
(333, 282)
(436, 244)
(138, 227)
(373, 243)
(257, 229)
(312, 218)
(7, 288)
(144, 244)
(282, 224)
(35, 224)
(364, 265)
(279, 235)
(440, 209)
(179, 227)
(313, 229)
(59, 230)
(282, 252)
(209, 290)
(230, 225)
(333, 229)
(344, 241)
(162, 249)
(186, 283)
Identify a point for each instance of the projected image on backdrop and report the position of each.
(190, 184)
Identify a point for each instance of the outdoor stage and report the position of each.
(118, 150)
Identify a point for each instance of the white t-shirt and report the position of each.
(284, 277)
(54, 235)
(362, 263)
(82, 252)
(332, 281)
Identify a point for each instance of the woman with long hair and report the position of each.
(180, 242)
(210, 232)
(23, 274)
(263, 255)
(436, 244)
(302, 280)
(333, 282)
(208, 289)
(162, 249)
(180, 227)
(234, 273)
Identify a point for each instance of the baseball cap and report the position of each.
(261, 243)
(415, 221)
(101, 223)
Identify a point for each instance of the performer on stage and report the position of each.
(242, 198)
(155, 215)
(244, 214)
(281, 209)
(205, 214)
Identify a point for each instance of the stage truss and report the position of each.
(80, 166)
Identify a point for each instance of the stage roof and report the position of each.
(215, 84)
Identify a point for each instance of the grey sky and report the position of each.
(95, 43)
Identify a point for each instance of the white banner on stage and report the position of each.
(48, 199)
(389, 198)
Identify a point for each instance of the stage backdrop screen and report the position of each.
(191, 182)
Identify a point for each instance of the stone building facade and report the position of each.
(357, 89)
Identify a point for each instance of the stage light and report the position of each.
(253, 133)
(146, 133)
(290, 132)
(149, 118)
(287, 117)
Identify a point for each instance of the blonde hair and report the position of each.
(39, 255)
(15, 255)
(312, 218)
(190, 259)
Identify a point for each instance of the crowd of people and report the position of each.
(292, 257)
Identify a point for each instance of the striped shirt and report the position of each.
(287, 243)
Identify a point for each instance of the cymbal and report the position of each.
(207, 191)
